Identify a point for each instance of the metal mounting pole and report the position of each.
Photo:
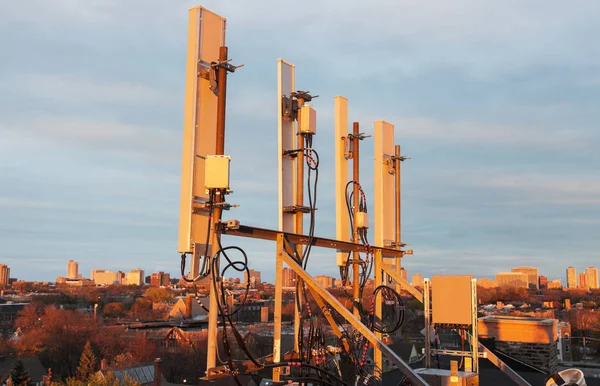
(277, 312)
(355, 239)
(378, 372)
(474, 325)
(427, 312)
(397, 170)
(211, 355)
(299, 226)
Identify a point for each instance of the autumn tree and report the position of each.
(114, 310)
(158, 295)
(87, 362)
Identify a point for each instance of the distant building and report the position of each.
(417, 280)
(325, 281)
(102, 277)
(8, 315)
(571, 277)
(486, 283)
(543, 281)
(79, 282)
(4, 276)
(555, 284)
(404, 274)
(582, 284)
(591, 274)
(289, 277)
(532, 275)
(159, 279)
(72, 269)
(254, 278)
(512, 279)
(135, 277)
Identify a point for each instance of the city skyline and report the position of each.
(520, 277)
(104, 131)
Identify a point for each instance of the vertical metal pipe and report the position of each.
(379, 280)
(277, 311)
(221, 102)
(299, 223)
(355, 239)
(426, 308)
(474, 327)
(211, 355)
(397, 171)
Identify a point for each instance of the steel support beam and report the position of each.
(391, 271)
(269, 234)
(354, 321)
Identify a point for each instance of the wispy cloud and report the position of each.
(77, 89)
(575, 190)
(154, 144)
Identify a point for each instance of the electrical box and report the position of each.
(362, 220)
(308, 119)
(216, 171)
(451, 300)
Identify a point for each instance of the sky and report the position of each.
(496, 103)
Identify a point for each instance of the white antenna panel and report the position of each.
(206, 34)
(341, 174)
(384, 216)
(286, 141)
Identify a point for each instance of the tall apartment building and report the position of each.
(135, 277)
(543, 281)
(72, 269)
(288, 277)
(404, 274)
(102, 277)
(583, 283)
(532, 275)
(254, 277)
(417, 280)
(158, 279)
(512, 279)
(571, 277)
(4, 276)
(325, 281)
(591, 274)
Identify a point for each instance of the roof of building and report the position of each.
(11, 308)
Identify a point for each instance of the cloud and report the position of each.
(572, 190)
(154, 144)
(77, 89)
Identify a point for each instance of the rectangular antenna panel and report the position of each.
(384, 189)
(451, 299)
(286, 141)
(342, 223)
(206, 34)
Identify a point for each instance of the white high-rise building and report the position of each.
(591, 274)
(102, 277)
(571, 277)
(72, 269)
(135, 277)
(512, 279)
(532, 276)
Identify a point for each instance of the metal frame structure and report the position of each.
(206, 86)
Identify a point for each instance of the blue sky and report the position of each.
(496, 103)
